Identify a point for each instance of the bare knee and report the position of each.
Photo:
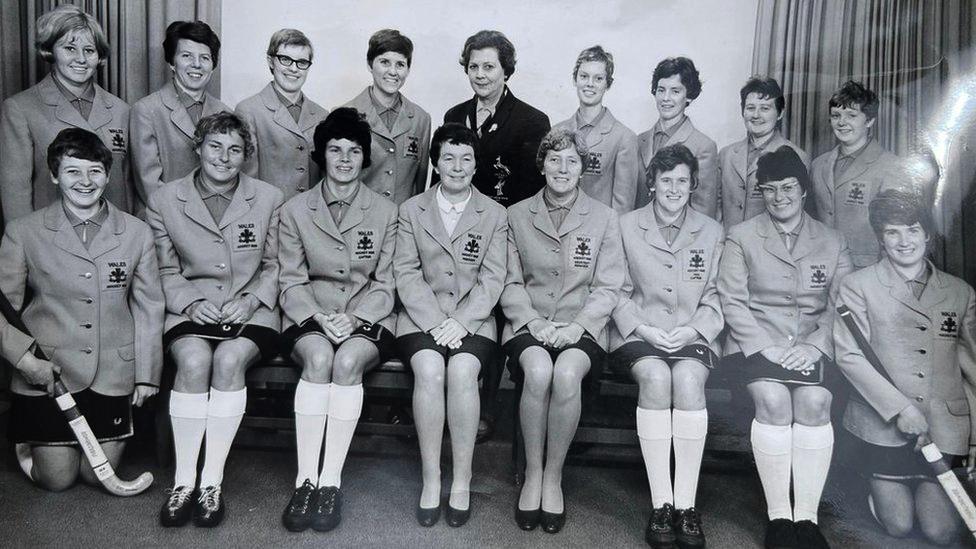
(537, 373)
(462, 375)
(193, 371)
(347, 369)
(428, 371)
(566, 384)
(688, 389)
(316, 365)
(654, 384)
(55, 480)
(228, 370)
(811, 406)
(773, 404)
(897, 527)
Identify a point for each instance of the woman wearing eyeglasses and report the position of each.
(282, 119)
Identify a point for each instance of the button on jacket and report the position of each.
(927, 346)
(771, 297)
(705, 198)
(97, 313)
(843, 204)
(458, 276)
(29, 123)
(739, 196)
(162, 138)
(202, 259)
(669, 286)
(399, 156)
(569, 274)
(610, 173)
(337, 269)
(283, 147)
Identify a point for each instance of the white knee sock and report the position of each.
(344, 408)
(689, 428)
(812, 449)
(654, 431)
(188, 415)
(223, 418)
(311, 409)
(25, 459)
(772, 448)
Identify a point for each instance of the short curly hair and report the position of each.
(490, 39)
(669, 158)
(558, 140)
(683, 67)
(766, 88)
(224, 122)
(77, 143)
(898, 207)
(598, 55)
(65, 19)
(854, 93)
(455, 134)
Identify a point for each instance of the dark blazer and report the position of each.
(506, 163)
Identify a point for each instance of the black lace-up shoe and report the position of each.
(780, 534)
(688, 529)
(298, 516)
(178, 507)
(660, 527)
(209, 511)
(327, 509)
(809, 536)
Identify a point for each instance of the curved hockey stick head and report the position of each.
(126, 488)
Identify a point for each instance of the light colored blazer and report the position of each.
(29, 123)
(669, 286)
(843, 204)
(927, 346)
(772, 297)
(96, 313)
(610, 173)
(337, 269)
(440, 276)
(162, 138)
(570, 274)
(283, 148)
(739, 196)
(201, 259)
(399, 157)
(705, 197)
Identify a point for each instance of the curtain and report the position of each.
(919, 57)
(135, 31)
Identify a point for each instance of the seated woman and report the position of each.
(777, 280)
(217, 242)
(564, 274)
(449, 267)
(664, 334)
(104, 341)
(904, 305)
(335, 247)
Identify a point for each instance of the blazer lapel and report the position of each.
(689, 230)
(66, 239)
(900, 292)
(652, 235)
(541, 219)
(740, 159)
(101, 113)
(404, 119)
(645, 147)
(354, 215)
(683, 132)
(601, 130)
(63, 110)
(470, 217)
(576, 216)
(502, 112)
(935, 290)
(107, 238)
(193, 206)
(281, 115)
(808, 240)
(432, 221)
(772, 242)
(240, 204)
(321, 215)
(178, 115)
(861, 164)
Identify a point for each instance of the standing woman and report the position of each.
(336, 253)
(217, 242)
(562, 240)
(96, 312)
(401, 129)
(675, 84)
(449, 268)
(777, 280)
(74, 45)
(664, 334)
(610, 169)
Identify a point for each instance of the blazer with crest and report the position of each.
(669, 286)
(200, 258)
(926, 345)
(96, 313)
(569, 274)
(705, 197)
(440, 276)
(162, 138)
(739, 197)
(771, 297)
(282, 147)
(610, 173)
(29, 123)
(337, 269)
(399, 156)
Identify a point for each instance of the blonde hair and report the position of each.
(65, 19)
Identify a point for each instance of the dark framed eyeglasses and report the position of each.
(287, 61)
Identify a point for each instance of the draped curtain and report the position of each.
(919, 56)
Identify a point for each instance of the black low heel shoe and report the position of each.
(457, 517)
(527, 520)
(552, 523)
(428, 517)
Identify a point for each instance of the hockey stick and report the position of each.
(940, 466)
(79, 425)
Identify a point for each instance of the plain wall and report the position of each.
(548, 35)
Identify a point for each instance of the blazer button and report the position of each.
(89, 300)
(87, 324)
(450, 273)
(386, 193)
(87, 275)
(919, 398)
(301, 169)
(389, 172)
(219, 241)
(220, 286)
(555, 272)
(551, 294)
(920, 374)
(301, 147)
(301, 189)
(340, 248)
(341, 271)
(669, 290)
(740, 206)
(342, 289)
(221, 266)
(668, 311)
(391, 150)
(450, 294)
(87, 350)
(921, 351)
(922, 328)
(668, 266)
(788, 297)
(555, 250)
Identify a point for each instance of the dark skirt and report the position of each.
(896, 463)
(758, 368)
(483, 348)
(38, 420)
(263, 337)
(523, 340)
(624, 358)
(376, 334)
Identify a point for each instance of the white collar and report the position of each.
(446, 205)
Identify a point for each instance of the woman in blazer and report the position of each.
(777, 280)
(665, 333)
(163, 123)
(610, 170)
(401, 129)
(675, 84)
(336, 253)
(73, 43)
(762, 104)
(921, 322)
(449, 268)
(564, 258)
(283, 119)
(96, 312)
(216, 236)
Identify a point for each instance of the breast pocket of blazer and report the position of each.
(114, 274)
(247, 236)
(473, 246)
(695, 265)
(411, 148)
(367, 243)
(582, 254)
